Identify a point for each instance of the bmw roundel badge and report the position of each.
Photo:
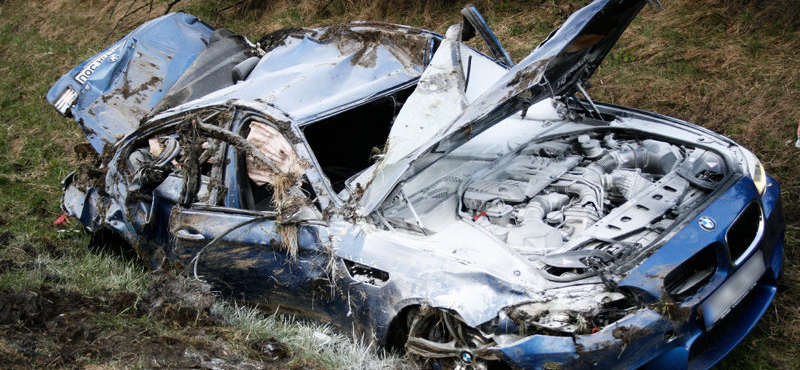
(707, 223)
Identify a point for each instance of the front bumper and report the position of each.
(651, 340)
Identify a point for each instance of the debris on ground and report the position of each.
(47, 327)
(178, 300)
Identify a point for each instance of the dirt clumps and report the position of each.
(91, 167)
(629, 334)
(178, 300)
(278, 38)
(5, 238)
(26, 307)
(362, 39)
(127, 91)
(8, 265)
(43, 327)
(46, 327)
(270, 348)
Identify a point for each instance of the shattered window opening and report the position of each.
(176, 158)
(360, 134)
(257, 182)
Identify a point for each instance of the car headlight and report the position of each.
(759, 177)
(756, 170)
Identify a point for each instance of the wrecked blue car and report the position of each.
(474, 212)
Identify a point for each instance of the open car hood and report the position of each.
(568, 57)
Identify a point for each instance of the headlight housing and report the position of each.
(759, 177)
(572, 310)
(756, 171)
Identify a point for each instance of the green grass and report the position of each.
(315, 342)
(68, 264)
(34, 142)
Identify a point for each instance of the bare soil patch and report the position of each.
(46, 327)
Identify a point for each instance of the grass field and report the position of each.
(731, 66)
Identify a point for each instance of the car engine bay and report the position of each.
(570, 200)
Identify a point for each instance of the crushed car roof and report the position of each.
(307, 73)
(311, 73)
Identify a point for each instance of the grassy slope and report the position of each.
(727, 65)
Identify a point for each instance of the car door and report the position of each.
(245, 252)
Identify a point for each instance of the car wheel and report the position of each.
(439, 339)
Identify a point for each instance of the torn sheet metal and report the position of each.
(438, 99)
(571, 54)
(325, 70)
(119, 86)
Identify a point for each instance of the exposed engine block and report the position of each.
(557, 195)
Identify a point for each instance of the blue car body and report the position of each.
(423, 244)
